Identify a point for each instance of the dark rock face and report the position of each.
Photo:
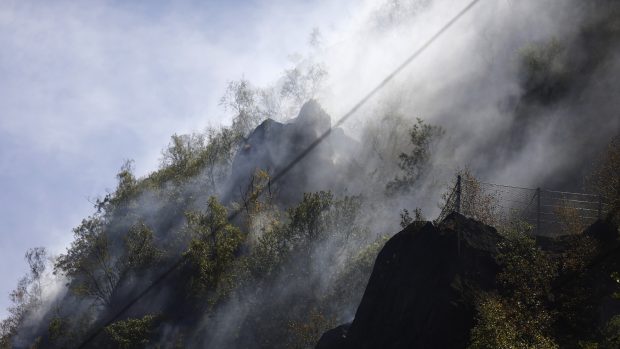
(427, 280)
(334, 338)
(273, 145)
(312, 119)
(423, 287)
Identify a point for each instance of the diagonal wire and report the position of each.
(292, 163)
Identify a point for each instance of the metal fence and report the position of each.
(549, 212)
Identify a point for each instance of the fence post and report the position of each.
(600, 207)
(457, 205)
(538, 211)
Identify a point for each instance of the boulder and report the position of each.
(422, 290)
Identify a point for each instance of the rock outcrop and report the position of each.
(422, 290)
(272, 146)
(428, 278)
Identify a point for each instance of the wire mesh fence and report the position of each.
(549, 212)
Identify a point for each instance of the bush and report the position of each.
(519, 316)
(132, 332)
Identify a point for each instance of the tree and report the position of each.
(182, 151)
(518, 316)
(213, 247)
(139, 250)
(321, 229)
(605, 179)
(94, 269)
(306, 332)
(122, 197)
(217, 158)
(393, 13)
(255, 199)
(88, 262)
(406, 219)
(26, 297)
(414, 163)
(133, 332)
(303, 82)
(383, 139)
(198, 156)
(307, 220)
(546, 72)
(241, 98)
(37, 261)
(569, 217)
(478, 203)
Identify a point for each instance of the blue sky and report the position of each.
(86, 85)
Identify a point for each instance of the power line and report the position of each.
(293, 162)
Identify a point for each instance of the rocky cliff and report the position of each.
(428, 279)
(274, 145)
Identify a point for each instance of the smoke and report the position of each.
(47, 288)
(522, 90)
(470, 82)
(500, 121)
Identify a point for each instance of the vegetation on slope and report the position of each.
(558, 299)
(279, 276)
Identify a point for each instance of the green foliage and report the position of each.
(497, 329)
(406, 219)
(569, 217)
(414, 163)
(17, 312)
(302, 82)
(213, 247)
(319, 216)
(611, 333)
(393, 13)
(476, 203)
(545, 71)
(88, 262)
(93, 269)
(348, 285)
(124, 196)
(308, 221)
(65, 330)
(257, 203)
(57, 328)
(242, 99)
(140, 250)
(36, 258)
(306, 333)
(183, 151)
(132, 332)
(383, 139)
(527, 271)
(269, 252)
(126, 183)
(520, 315)
(189, 155)
(605, 179)
(26, 297)
(286, 252)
